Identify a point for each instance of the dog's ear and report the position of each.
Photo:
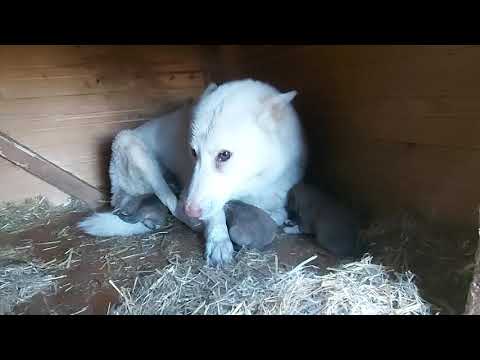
(274, 105)
(210, 88)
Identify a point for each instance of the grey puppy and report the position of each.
(147, 209)
(335, 227)
(150, 211)
(249, 226)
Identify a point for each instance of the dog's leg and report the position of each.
(280, 216)
(152, 174)
(292, 230)
(219, 248)
(165, 194)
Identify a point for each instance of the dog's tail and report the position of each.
(108, 224)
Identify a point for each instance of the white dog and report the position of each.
(154, 158)
(249, 146)
(242, 141)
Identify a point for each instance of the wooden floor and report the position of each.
(86, 286)
(441, 259)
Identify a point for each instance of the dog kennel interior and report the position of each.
(393, 131)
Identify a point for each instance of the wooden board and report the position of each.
(67, 102)
(21, 185)
(389, 176)
(397, 93)
(391, 125)
(473, 298)
(40, 167)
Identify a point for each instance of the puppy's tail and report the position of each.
(108, 224)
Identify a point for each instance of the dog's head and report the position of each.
(234, 141)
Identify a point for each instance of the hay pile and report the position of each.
(22, 277)
(16, 217)
(20, 281)
(257, 285)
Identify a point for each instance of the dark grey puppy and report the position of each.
(147, 209)
(335, 227)
(249, 226)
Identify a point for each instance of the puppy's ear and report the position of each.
(273, 107)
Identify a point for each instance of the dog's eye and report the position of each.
(194, 153)
(224, 156)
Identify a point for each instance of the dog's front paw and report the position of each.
(292, 230)
(219, 253)
(289, 223)
(279, 216)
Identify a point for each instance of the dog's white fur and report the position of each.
(138, 163)
(250, 119)
(260, 128)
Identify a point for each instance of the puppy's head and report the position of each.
(234, 142)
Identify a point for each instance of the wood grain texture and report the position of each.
(391, 125)
(20, 185)
(67, 102)
(40, 167)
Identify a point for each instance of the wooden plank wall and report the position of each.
(390, 126)
(67, 102)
